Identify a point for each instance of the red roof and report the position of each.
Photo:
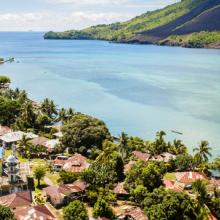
(39, 212)
(57, 193)
(77, 163)
(189, 177)
(173, 185)
(119, 189)
(16, 199)
(141, 156)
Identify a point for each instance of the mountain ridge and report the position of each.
(183, 18)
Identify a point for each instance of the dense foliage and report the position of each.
(162, 204)
(67, 177)
(82, 132)
(107, 168)
(4, 79)
(198, 40)
(6, 213)
(146, 174)
(76, 210)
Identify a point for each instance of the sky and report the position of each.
(59, 15)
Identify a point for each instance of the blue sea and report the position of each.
(139, 89)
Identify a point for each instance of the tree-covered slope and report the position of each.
(160, 27)
(127, 30)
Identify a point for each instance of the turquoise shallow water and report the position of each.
(139, 89)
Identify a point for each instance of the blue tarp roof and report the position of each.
(1, 153)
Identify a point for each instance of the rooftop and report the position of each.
(189, 176)
(16, 199)
(16, 136)
(141, 156)
(77, 163)
(119, 189)
(39, 212)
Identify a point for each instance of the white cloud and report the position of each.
(89, 2)
(56, 21)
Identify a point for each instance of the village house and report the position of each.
(120, 192)
(77, 163)
(9, 139)
(141, 156)
(38, 212)
(59, 162)
(128, 212)
(62, 195)
(164, 157)
(187, 178)
(50, 144)
(19, 199)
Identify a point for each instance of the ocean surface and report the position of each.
(139, 89)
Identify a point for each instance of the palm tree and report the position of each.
(108, 149)
(178, 147)
(123, 145)
(62, 115)
(24, 146)
(49, 108)
(160, 135)
(199, 188)
(202, 152)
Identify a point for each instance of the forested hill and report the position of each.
(173, 25)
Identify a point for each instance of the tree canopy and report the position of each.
(146, 174)
(76, 210)
(84, 131)
(4, 79)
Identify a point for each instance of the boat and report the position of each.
(177, 132)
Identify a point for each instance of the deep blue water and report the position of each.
(139, 89)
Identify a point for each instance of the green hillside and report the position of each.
(126, 30)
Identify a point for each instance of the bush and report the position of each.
(6, 214)
(103, 209)
(76, 210)
(4, 79)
